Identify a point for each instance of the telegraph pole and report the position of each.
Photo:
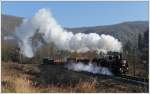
(134, 62)
(20, 61)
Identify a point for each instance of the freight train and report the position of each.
(112, 60)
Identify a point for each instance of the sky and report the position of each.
(79, 14)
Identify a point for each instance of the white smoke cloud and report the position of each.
(44, 23)
(88, 68)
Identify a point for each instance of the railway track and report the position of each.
(133, 79)
(124, 79)
(140, 79)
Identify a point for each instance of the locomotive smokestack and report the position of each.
(43, 23)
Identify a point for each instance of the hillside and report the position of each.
(9, 24)
(126, 31)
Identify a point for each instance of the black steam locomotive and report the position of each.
(112, 60)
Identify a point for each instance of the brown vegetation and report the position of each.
(16, 81)
(29, 78)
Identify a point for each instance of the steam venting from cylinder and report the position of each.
(43, 23)
(88, 68)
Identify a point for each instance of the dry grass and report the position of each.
(15, 80)
(81, 86)
(20, 85)
(18, 82)
(24, 85)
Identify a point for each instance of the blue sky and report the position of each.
(78, 14)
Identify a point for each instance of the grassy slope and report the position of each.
(50, 78)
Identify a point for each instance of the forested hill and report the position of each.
(126, 32)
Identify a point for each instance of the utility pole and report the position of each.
(20, 61)
(134, 62)
(49, 50)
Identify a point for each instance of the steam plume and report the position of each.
(43, 23)
(89, 68)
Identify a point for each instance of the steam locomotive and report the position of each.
(112, 60)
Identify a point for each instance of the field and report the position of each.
(54, 78)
